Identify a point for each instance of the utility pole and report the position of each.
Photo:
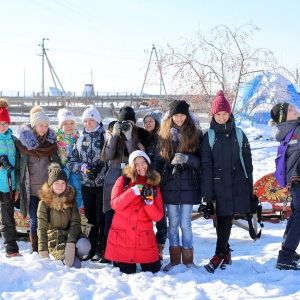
(159, 65)
(43, 68)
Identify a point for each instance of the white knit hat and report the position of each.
(37, 116)
(91, 113)
(136, 154)
(65, 115)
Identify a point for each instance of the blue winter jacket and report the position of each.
(7, 147)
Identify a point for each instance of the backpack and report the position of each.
(280, 171)
(126, 183)
(239, 136)
(255, 205)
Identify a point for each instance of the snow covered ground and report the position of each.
(251, 276)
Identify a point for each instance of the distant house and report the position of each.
(88, 90)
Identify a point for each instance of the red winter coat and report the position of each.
(131, 238)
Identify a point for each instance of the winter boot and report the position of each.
(33, 238)
(12, 255)
(227, 259)
(91, 252)
(292, 266)
(296, 256)
(215, 262)
(188, 257)
(98, 254)
(161, 248)
(103, 260)
(175, 258)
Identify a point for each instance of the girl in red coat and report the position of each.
(131, 238)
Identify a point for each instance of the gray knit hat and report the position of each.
(37, 116)
(56, 173)
(156, 115)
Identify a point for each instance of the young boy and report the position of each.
(67, 136)
(8, 191)
(85, 160)
(287, 118)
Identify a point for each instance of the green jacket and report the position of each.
(58, 221)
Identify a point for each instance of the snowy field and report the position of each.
(252, 274)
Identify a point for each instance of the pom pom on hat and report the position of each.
(136, 154)
(178, 107)
(55, 172)
(4, 115)
(91, 113)
(220, 103)
(65, 115)
(156, 115)
(127, 113)
(279, 112)
(37, 116)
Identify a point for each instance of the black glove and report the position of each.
(206, 209)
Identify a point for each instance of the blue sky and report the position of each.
(108, 38)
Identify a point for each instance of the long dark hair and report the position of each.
(189, 138)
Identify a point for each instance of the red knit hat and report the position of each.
(4, 115)
(220, 104)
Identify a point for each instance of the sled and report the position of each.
(275, 199)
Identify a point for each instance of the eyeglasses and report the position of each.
(3, 124)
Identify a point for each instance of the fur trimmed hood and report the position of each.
(55, 202)
(30, 141)
(153, 179)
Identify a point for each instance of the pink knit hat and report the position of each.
(220, 104)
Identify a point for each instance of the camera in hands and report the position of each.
(93, 171)
(125, 126)
(5, 163)
(206, 209)
(177, 169)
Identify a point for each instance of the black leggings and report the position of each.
(126, 268)
(224, 224)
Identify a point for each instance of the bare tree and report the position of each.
(223, 60)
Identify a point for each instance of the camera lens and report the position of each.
(125, 126)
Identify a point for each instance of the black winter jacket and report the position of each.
(186, 189)
(223, 177)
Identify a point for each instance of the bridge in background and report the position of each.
(108, 105)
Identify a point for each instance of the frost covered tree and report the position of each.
(224, 59)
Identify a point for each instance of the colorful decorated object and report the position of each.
(267, 189)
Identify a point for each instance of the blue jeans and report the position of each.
(292, 238)
(33, 206)
(180, 216)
